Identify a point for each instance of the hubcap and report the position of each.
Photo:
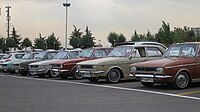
(182, 80)
(114, 76)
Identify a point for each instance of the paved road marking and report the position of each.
(105, 86)
(187, 93)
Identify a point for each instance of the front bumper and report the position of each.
(155, 77)
(59, 71)
(90, 73)
(36, 71)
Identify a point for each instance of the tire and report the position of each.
(147, 84)
(113, 76)
(76, 76)
(93, 79)
(53, 75)
(181, 81)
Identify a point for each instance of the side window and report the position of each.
(51, 55)
(153, 52)
(100, 54)
(136, 53)
(19, 56)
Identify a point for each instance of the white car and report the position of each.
(12, 57)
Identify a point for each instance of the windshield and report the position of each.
(186, 50)
(41, 55)
(74, 54)
(86, 53)
(27, 56)
(121, 51)
(61, 55)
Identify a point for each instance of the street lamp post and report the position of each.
(66, 5)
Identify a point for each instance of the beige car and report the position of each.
(116, 65)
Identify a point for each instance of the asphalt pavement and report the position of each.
(33, 94)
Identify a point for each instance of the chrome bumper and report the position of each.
(149, 76)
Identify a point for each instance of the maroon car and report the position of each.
(66, 68)
(179, 66)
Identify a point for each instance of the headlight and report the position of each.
(133, 69)
(61, 66)
(159, 70)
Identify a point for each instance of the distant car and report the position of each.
(116, 65)
(10, 58)
(45, 55)
(179, 66)
(42, 68)
(27, 56)
(66, 68)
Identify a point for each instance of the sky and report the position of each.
(31, 17)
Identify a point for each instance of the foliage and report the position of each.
(16, 39)
(3, 44)
(26, 43)
(87, 39)
(75, 38)
(135, 37)
(52, 42)
(114, 38)
(40, 42)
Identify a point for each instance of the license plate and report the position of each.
(147, 80)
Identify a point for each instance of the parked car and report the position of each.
(66, 68)
(8, 59)
(179, 66)
(27, 56)
(116, 65)
(45, 55)
(42, 68)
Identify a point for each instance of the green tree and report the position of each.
(40, 43)
(52, 42)
(16, 38)
(112, 38)
(3, 44)
(149, 36)
(164, 34)
(121, 38)
(135, 37)
(10, 42)
(75, 38)
(87, 39)
(26, 43)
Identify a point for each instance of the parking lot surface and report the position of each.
(33, 94)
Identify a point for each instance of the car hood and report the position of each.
(106, 61)
(76, 60)
(164, 62)
(45, 62)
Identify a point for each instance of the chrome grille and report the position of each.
(87, 66)
(55, 65)
(146, 69)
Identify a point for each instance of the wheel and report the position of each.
(182, 80)
(147, 84)
(113, 76)
(41, 75)
(53, 74)
(77, 76)
(93, 79)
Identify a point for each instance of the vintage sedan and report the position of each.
(66, 68)
(6, 64)
(179, 66)
(45, 55)
(42, 68)
(116, 65)
(27, 56)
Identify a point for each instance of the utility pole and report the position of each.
(8, 18)
(66, 5)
